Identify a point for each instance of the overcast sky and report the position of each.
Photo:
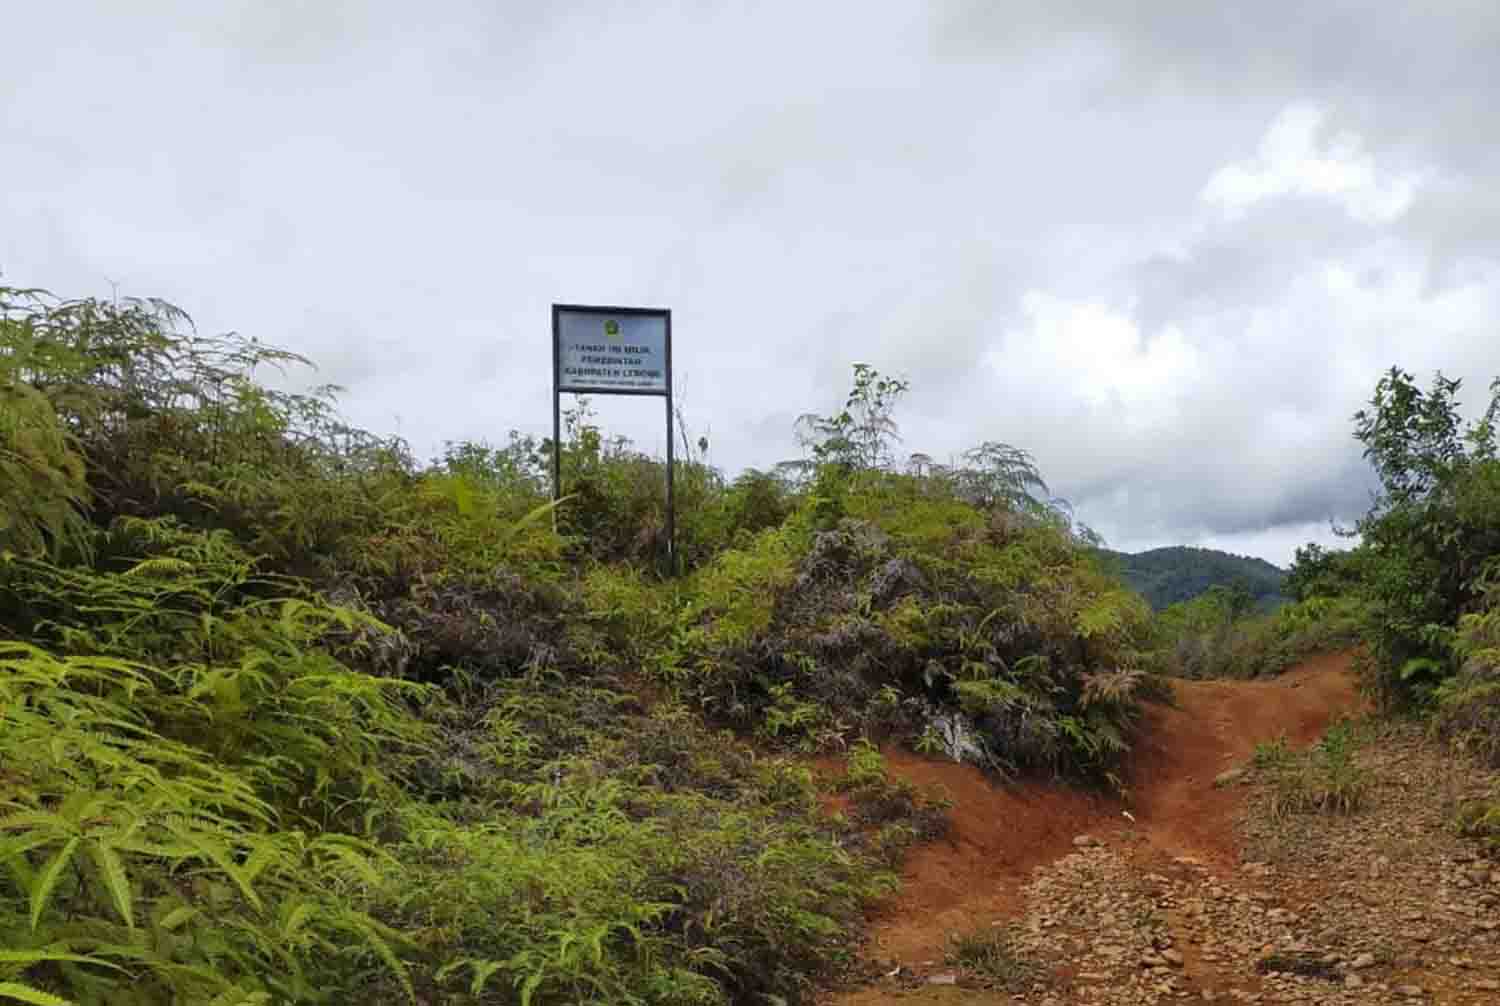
(1166, 246)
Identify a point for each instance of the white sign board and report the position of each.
(607, 351)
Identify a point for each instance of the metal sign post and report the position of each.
(613, 351)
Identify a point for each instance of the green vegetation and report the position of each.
(287, 715)
(1325, 778)
(891, 814)
(1420, 592)
(1168, 576)
(1430, 542)
(991, 954)
(1220, 634)
(1425, 571)
(1222, 615)
(1480, 820)
(1468, 702)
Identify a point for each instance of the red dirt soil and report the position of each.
(1216, 727)
(999, 834)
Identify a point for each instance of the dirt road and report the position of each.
(1172, 810)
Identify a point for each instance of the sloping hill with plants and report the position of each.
(1167, 576)
(288, 715)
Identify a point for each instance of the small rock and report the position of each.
(1086, 842)
(1352, 981)
(1363, 961)
(1409, 991)
(946, 978)
(1228, 777)
(1172, 957)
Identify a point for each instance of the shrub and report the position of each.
(892, 814)
(42, 490)
(811, 638)
(1480, 820)
(1468, 704)
(1326, 778)
(1210, 637)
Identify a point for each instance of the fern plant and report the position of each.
(42, 488)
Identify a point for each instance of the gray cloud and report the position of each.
(1169, 247)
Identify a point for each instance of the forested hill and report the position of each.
(1179, 573)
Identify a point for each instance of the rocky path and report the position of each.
(1190, 891)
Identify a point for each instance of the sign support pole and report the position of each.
(671, 496)
(556, 424)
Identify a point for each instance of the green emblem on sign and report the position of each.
(612, 329)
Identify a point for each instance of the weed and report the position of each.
(1326, 778)
(992, 954)
(1272, 754)
(1480, 820)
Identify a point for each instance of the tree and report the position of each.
(1433, 528)
(1320, 572)
(1413, 438)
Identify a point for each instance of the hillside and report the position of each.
(1165, 576)
(288, 715)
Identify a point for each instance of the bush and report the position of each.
(197, 761)
(892, 814)
(1468, 704)
(42, 488)
(1209, 637)
(1480, 820)
(812, 638)
(1326, 778)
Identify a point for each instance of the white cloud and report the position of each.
(1099, 357)
(1292, 161)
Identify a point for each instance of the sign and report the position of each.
(612, 350)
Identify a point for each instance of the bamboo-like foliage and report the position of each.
(42, 488)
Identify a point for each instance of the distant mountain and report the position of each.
(1179, 573)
